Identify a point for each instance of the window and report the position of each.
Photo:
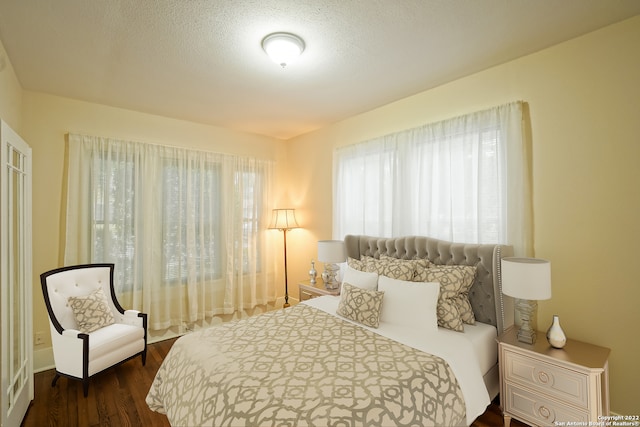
(249, 183)
(460, 180)
(113, 194)
(191, 194)
(185, 228)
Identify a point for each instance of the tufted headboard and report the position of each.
(488, 303)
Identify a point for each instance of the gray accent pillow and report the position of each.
(421, 266)
(356, 264)
(92, 311)
(454, 307)
(360, 305)
(393, 268)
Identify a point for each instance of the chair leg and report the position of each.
(144, 357)
(55, 380)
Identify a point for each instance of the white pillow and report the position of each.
(409, 304)
(361, 279)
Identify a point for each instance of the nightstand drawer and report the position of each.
(305, 295)
(554, 381)
(309, 290)
(539, 410)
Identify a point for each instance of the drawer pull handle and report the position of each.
(543, 377)
(307, 294)
(544, 412)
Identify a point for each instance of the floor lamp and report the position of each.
(284, 220)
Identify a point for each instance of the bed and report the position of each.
(327, 362)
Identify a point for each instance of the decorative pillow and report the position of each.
(420, 274)
(455, 282)
(92, 311)
(361, 279)
(360, 305)
(409, 304)
(356, 264)
(401, 269)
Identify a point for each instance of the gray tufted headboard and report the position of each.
(488, 303)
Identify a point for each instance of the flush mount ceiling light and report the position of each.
(283, 48)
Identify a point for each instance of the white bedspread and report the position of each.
(483, 337)
(457, 348)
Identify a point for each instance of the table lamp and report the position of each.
(331, 252)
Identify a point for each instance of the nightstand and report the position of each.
(541, 385)
(308, 291)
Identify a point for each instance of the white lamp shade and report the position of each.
(283, 219)
(331, 251)
(526, 278)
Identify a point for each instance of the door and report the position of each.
(15, 277)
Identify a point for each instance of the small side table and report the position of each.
(308, 291)
(540, 385)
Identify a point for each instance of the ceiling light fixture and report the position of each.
(283, 48)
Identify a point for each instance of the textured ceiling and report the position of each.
(201, 60)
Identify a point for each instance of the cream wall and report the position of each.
(48, 118)
(583, 98)
(10, 93)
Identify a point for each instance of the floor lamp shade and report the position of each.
(284, 220)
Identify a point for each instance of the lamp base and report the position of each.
(527, 310)
(528, 337)
(329, 276)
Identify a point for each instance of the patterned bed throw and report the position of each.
(302, 367)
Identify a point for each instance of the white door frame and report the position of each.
(15, 277)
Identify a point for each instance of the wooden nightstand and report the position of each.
(541, 385)
(308, 291)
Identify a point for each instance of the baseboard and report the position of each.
(43, 360)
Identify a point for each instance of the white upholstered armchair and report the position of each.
(90, 330)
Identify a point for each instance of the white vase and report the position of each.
(555, 334)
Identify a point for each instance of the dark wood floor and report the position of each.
(116, 398)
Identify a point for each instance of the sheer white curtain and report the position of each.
(186, 229)
(465, 180)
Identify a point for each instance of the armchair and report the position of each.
(90, 331)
